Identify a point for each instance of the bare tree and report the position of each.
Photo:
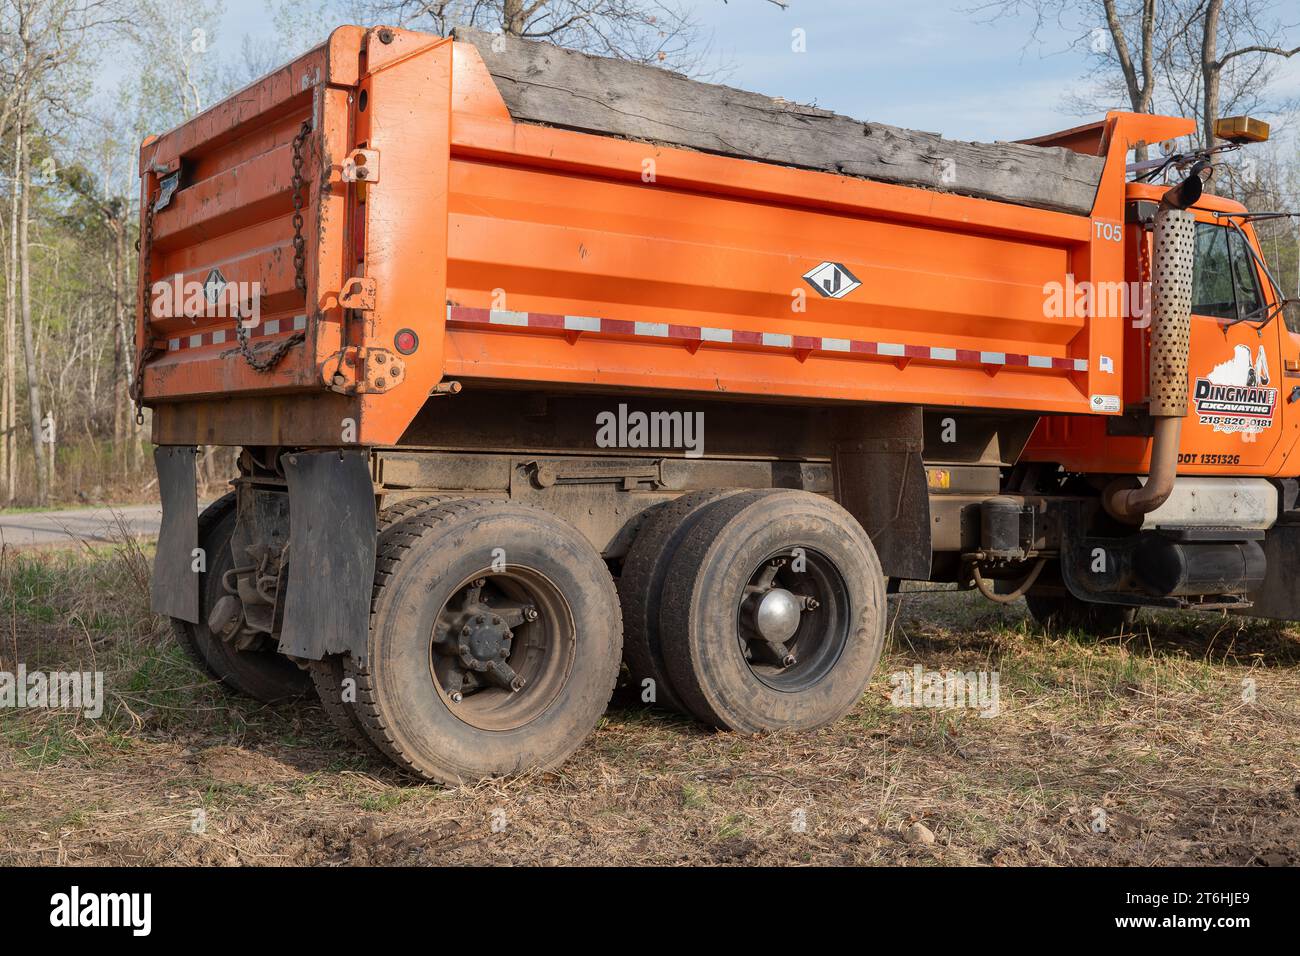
(10, 394)
(23, 185)
(1162, 55)
(1246, 19)
(645, 31)
(176, 66)
(39, 50)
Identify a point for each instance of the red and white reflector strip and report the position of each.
(224, 336)
(464, 317)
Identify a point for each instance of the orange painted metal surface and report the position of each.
(582, 260)
(1083, 445)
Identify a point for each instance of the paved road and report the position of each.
(27, 529)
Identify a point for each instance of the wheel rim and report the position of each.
(792, 619)
(502, 648)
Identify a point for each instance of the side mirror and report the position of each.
(1187, 192)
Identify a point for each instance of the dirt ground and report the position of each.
(1178, 743)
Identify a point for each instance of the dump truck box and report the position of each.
(464, 305)
(401, 229)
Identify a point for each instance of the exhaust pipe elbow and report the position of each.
(1171, 313)
(1128, 504)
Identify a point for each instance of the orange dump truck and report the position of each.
(520, 403)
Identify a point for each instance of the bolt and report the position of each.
(530, 614)
(480, 582)
(505, 652)
(517, 684)
(811, 604)
(465, 630)
(379, 356)
(456, 697)
(381, 383)
(480, 619)
(385, 36)
(788, 661)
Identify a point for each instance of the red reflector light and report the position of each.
(406, 341)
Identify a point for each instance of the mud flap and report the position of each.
(879, 478)
(174, 588)
(332, 537)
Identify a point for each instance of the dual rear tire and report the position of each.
(496, 631)
(770, 609)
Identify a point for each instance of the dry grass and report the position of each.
(1149, 726)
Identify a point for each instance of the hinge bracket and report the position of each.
(361, 166)
(362, 371)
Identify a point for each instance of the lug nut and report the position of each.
(530, 614)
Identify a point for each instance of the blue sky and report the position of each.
(921, 64)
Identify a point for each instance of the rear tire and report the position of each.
(722, 639)
(264, 674)
(1064, 613)
(486, 582)
(640, 591)
(328, 675)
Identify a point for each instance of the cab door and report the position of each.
(1238, 363)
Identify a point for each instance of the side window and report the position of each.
(1291, 316)
(1212, 274)
(1249, 298)
(1224, 282)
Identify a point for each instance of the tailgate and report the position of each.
(257, 274)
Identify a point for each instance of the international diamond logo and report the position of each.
(831, 280)
(213, 286)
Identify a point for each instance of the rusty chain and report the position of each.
(145, 345)
(268, 361)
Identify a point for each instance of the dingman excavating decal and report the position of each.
(1234, 396)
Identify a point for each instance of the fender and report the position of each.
(879, 478)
